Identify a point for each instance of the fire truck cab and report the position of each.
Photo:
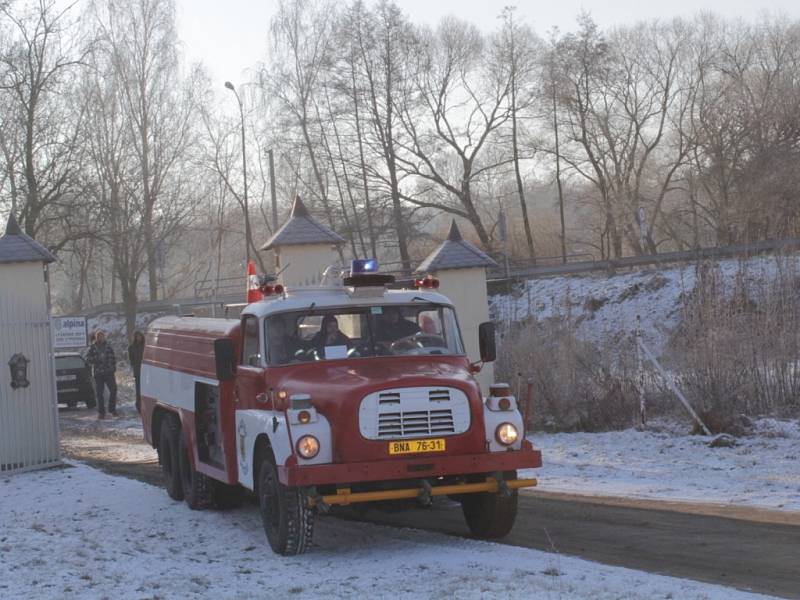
(342, 393)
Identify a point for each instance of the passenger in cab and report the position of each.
(281, 345)
(329, 335)
(393, 326)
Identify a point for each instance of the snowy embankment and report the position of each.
(604, 308)
(78, 533)
(763, 470)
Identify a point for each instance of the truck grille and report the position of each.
(417, 422)
(414, 412)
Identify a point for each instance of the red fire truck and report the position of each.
(342, 393)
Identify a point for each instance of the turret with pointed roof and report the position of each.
(455, 253)
(302, 228)
(16, 246)
(460, 268)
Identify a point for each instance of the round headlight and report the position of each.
(506, 434)
(308, 446)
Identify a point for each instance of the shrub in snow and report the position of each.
(576, 385)
(737, 348)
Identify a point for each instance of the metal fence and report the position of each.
(521, 270)
(28, 412)
(218, 292)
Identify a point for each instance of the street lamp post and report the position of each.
(229, 85)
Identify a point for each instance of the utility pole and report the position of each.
(229, 85)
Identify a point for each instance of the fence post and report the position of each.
(640, 369)
(668, 380)
(528, 401)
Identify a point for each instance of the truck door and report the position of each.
(250, 374)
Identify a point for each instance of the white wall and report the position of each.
(28, 416)
(466, 289)
(306, 263)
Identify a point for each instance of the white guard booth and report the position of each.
(28, 408)
(460, 268)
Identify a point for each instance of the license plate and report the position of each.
(417, 446)
(66, 377)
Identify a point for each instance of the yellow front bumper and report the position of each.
(345, 496)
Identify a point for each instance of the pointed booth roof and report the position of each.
(302, 228)
(16, 246)
(455, 253)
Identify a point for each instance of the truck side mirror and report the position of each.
(486, 342)
(225, 359)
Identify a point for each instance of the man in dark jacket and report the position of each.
(135, 355)
(104, 364)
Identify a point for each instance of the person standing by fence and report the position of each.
(135, 355)
(104, 364)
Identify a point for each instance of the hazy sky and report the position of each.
(230, 36)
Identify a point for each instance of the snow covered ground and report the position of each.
(762, 470)
(604, 308)
(78, 533)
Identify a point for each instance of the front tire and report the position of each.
(168, 444)
(490, 515)
(196, 486)
(287, 518)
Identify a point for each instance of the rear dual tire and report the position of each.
(197, 487)
(169, 456)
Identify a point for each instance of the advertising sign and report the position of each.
(69, 332)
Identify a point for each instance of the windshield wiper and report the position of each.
(308, 312)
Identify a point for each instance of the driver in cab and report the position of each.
(393, 326)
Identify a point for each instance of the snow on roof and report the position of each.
(302, 228)
(455, 253)
(16, 246)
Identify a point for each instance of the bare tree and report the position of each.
(159, 108)
(617, 115)
(463, 102)
(744, 127)
(41, 60)
(383, 39)
(302, 32)
(551, 88)
(517, 51)
(115, 194)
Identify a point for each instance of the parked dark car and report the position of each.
(74, 380)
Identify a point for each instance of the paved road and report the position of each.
(761, 555)
(755, 556)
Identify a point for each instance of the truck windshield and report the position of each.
(341, 333)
